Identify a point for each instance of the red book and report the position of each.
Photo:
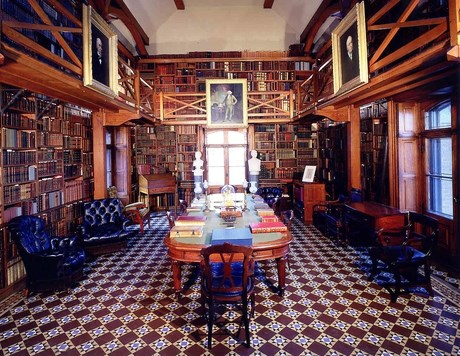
(190, 220)
(269, 218)
(260, 227)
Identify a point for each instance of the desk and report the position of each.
(265, 246)
(362, 219)
(157, 184)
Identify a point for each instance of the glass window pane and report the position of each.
(236, 175)
(216, 176)
(439, 152)
(439, 117)
(236, 137)
(440, 196)
(236, 156)
(439, 176)
(216, 138)
(216, 156)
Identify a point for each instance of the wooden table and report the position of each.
(364, 218)
(266, 246)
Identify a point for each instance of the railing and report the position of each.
(190, 108)
(415, 28)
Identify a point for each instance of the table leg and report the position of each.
(176, 271)
(281, 266)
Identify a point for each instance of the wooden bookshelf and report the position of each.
(46, 166)
(374, 151)
(307, 145)
(332, 157)
(268, 76)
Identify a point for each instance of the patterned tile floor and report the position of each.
(126, 306)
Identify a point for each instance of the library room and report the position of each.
(267, 177)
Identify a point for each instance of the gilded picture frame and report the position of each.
(349, 51)
(100, 54)
(227, 103)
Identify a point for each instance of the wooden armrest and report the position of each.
(134, 206)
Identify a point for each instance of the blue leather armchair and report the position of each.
(51, 263)
(104, 227)
(270, 194)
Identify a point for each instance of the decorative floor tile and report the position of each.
(125, 305)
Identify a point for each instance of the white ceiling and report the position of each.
(221, 25)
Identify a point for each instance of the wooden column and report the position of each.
(354, 149)
(100, 164)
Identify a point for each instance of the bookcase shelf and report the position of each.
(332, 157)
(187, 74)
(46, 168)
(374, 151)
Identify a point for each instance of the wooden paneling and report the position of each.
(408, 158)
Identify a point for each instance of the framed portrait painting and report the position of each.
(349, 51)
(226, 103)
(100, 54)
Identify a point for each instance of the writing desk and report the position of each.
(266, 246)
(365, 218)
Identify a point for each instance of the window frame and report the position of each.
(437, 133)
(225, 145)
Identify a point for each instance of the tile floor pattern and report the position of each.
(126, 305)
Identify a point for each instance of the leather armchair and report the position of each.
(104, 227)
(51, 263)
(270, 194)
(328, 216)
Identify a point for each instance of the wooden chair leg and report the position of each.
(210, 322)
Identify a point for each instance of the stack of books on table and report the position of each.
(261, 227)
(265, 211)
(187, 220)
(233, 235)
(269, 218)
(258, 206)
(186, 231)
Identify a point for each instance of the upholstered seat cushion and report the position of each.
(402, 254)
(221, 284)
(105, 233)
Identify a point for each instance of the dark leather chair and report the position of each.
(403, 251)
(270, 194)
(51, 263)
(328, 216)
(104, 227)
(227, 278)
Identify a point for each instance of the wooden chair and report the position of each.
(137, 213)
(403, 251)
(227, 278)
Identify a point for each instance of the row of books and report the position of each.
(14, 138)
(18, 120)
(11, 157)
(49, 168)
(49, 184)
(15, 193)
(49, 139)
(50, 124)
(18, 174)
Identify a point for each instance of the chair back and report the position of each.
(29, 234)
(286, 217)
(103, 211)
(227, 271)
(423, 231)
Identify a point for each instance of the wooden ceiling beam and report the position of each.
(268, 4)
(179, 4)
